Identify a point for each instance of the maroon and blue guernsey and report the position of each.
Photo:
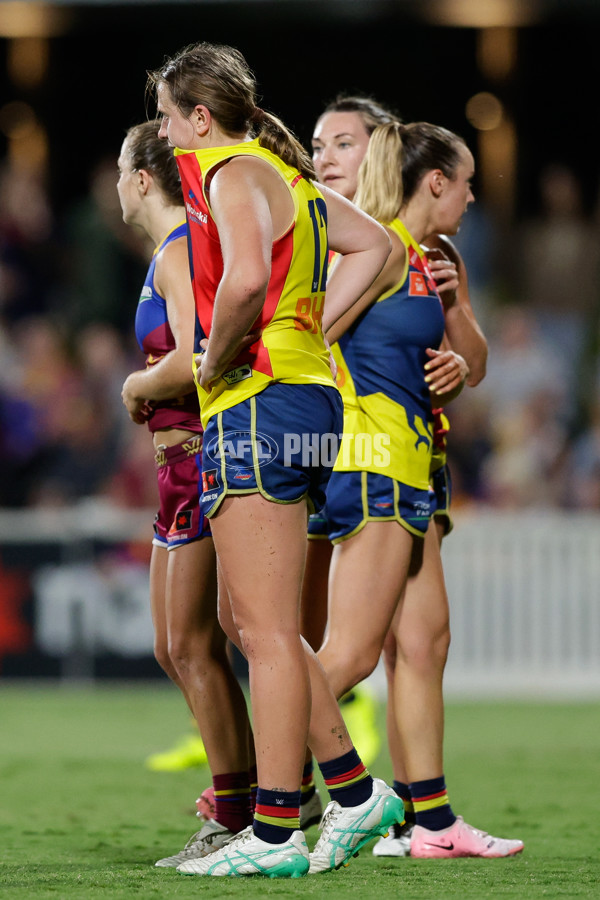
(155, 339)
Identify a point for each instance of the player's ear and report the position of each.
(201, 119)
(144, 180)
(437, 181)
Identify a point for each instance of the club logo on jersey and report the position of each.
(424, 278)
(210, 479)
(417, 286)
(423, 433)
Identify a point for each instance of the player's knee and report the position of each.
(365, 666)
(425, 652)
(164, 660)
(187, 647)
(346, 670)
(259, 644)
(229, 629)
(161, 654)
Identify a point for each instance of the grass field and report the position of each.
(80, 816)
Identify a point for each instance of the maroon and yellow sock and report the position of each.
(347, 779)
(308, 787)
(277, 815)
(253, 776)
(431, 804)
(232, 800)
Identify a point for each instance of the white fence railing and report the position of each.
(524, 596)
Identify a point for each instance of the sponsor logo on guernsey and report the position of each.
(195, 214)
(146, 293)
(238, 374)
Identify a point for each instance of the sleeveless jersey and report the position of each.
(155, 339)
(291, 347)
(381, 359)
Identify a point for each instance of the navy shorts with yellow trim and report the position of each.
(441, 491)
(318, 525)
(179, 519)
(355, 498)
(281, 443)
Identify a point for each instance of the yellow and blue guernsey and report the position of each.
(441, 480)
(441, 427)
(291, 347)
(381, 375)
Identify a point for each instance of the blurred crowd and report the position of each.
(69, 286)
(527, 437)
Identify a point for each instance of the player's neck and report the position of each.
(164, 221)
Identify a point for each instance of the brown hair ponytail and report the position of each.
(218, 77)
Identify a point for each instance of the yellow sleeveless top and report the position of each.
(291, 347)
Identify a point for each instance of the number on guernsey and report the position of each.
(318, 214)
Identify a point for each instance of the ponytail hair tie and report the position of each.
(258, 115)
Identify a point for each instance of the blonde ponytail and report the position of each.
(379, 191)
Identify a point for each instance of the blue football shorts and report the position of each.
(441, 497)
(355, 498)
(281, 443)
(318, 525)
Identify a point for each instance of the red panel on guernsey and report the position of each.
(207, 267)
(258, 355)
(206, 260)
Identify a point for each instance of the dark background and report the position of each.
(303, 53)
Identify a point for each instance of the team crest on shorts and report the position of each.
(183, 521)
(210, 479)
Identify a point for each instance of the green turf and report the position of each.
(80, 816)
